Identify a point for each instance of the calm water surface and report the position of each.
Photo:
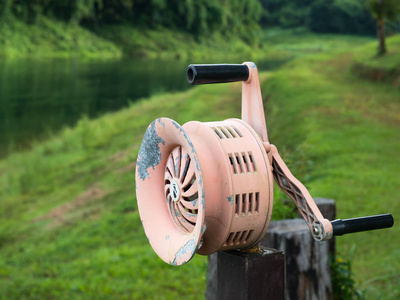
(40, 96)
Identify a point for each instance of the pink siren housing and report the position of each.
(210, 186)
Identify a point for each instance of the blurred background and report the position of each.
(81, 80)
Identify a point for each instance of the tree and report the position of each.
(383, 10)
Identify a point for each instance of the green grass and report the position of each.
(300, 41)
(69, 226)
(349, 130)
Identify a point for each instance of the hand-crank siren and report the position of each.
(207, 187)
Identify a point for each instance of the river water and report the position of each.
(38, 97)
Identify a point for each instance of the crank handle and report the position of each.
(216, 73)
(341, 227)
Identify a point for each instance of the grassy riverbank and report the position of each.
(69, 226)
(51, 38)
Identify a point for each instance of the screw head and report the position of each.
(316, 230)
(174, 190)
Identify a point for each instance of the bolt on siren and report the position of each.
(208, 186)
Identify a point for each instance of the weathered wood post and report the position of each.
(307, 274)
(251, 275)
(307, 261)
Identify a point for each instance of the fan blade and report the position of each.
(176, 155)
(189, 216)
(190, 204)
(193, 189)
(184, 164)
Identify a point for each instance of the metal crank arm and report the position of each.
(320, 227)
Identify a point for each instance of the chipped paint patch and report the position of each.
(177, 125)
(230, 199)
(203, 202)
(167, 237)
(161, 122)
(177, 163)
(149, 152)
(194, 202)
(187, 139)
(189, 247)
(200, 244)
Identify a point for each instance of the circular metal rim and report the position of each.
(170, 243)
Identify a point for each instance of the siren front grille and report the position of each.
(181, 189)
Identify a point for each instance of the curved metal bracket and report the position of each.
(320, 227)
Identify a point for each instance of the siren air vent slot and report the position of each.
(244, 204)
(257, 204)
(252, 162)
(238, 132)
(241, 162)
(238, 237)
(218, 132)
(233, 163)
(227, 132)
(247, 204)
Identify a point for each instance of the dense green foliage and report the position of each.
(286, 13)
(341, 16)
(156, 27)
(333, 16)
(383, 11)
(141, 28)
(387, 9)
(51, 38)
(196, 17)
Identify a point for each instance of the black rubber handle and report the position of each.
(218, 73)
(341, 227)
